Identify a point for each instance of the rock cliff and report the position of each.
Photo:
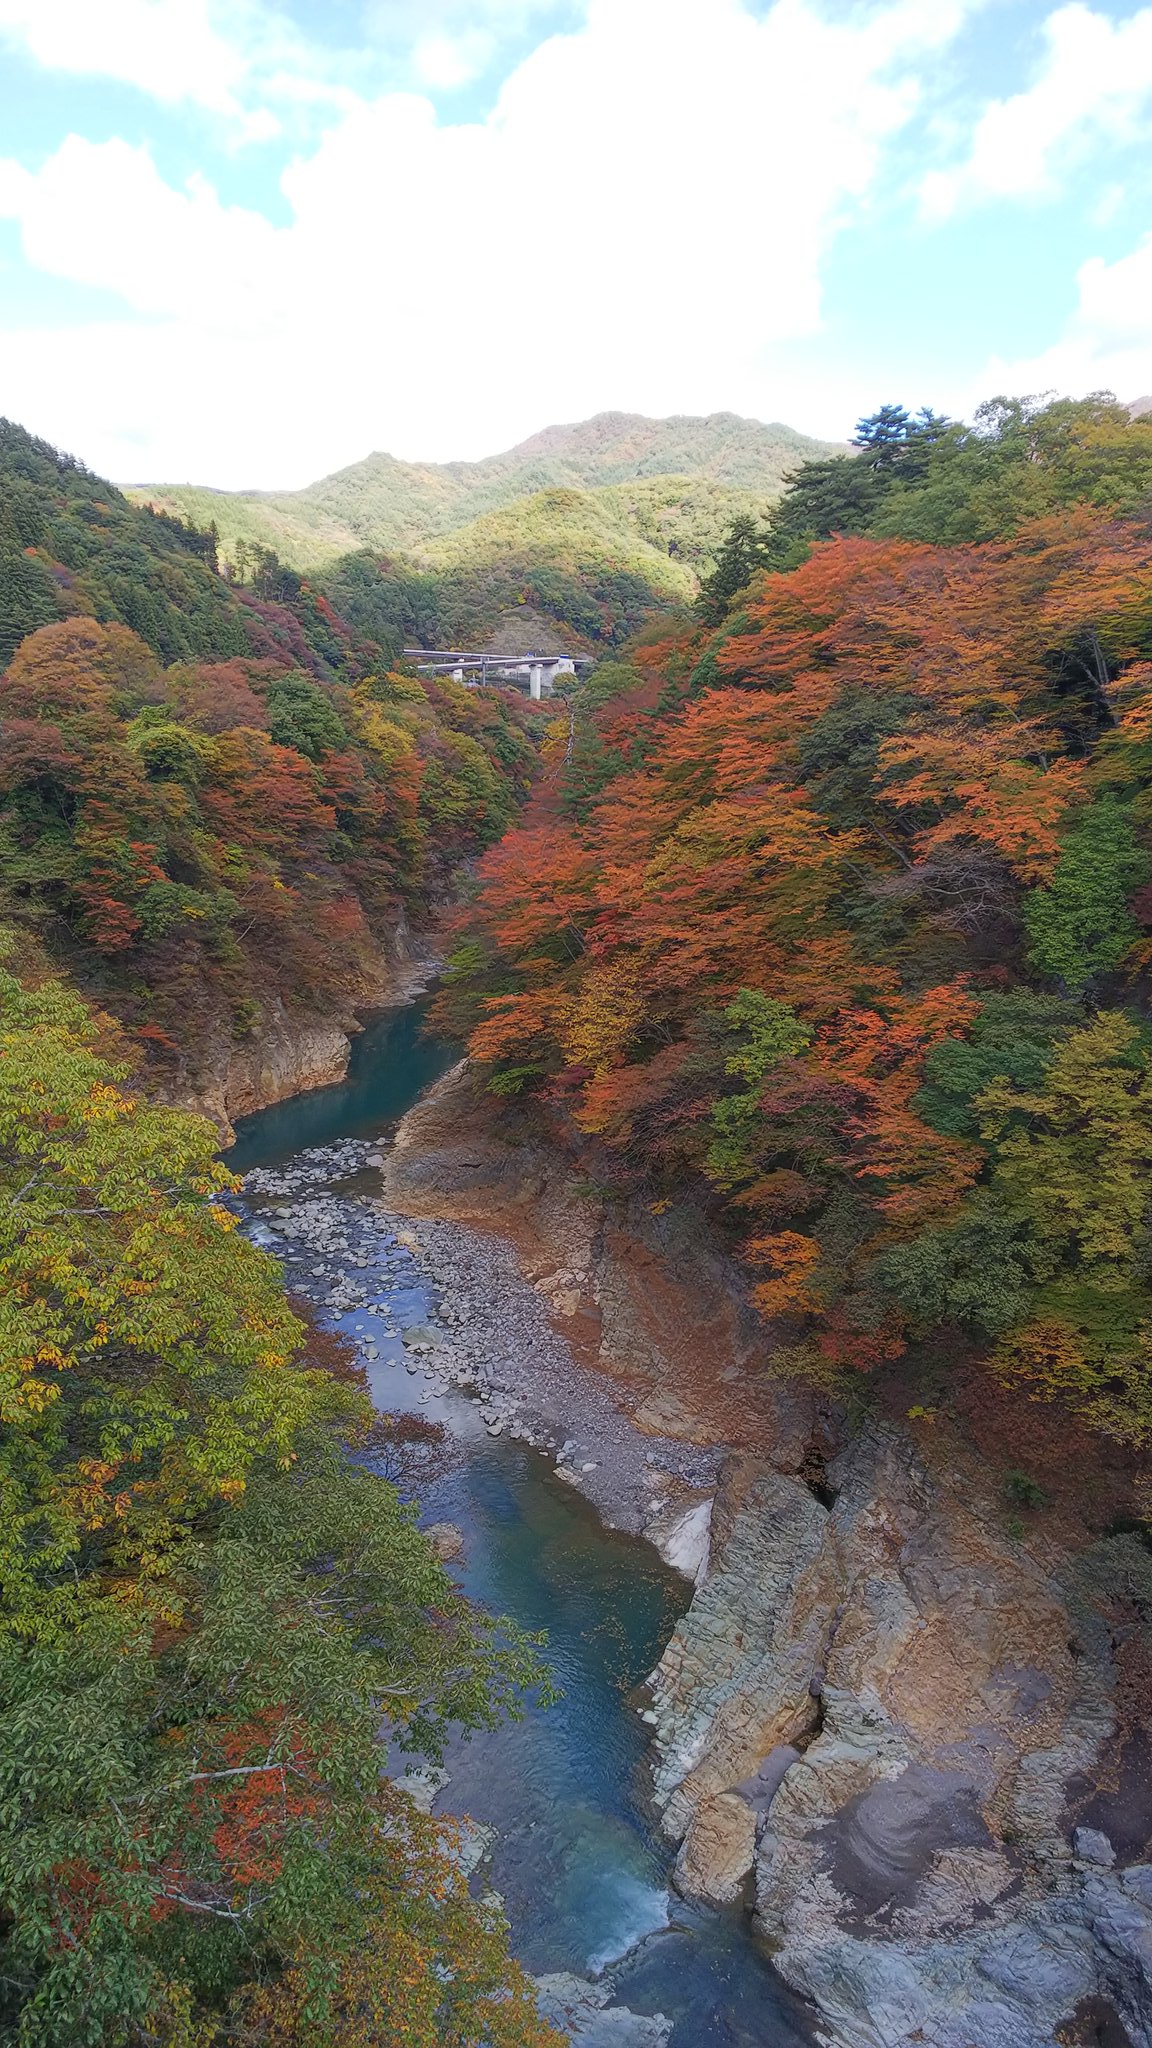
(889, 1719)
(911, 1735)
(289, 1051)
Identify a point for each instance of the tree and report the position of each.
(1080, 926)
(833, 835)
(1072, 1161)
(1012, 1038)
(882, 435)
(300, 715)
(746, 547)
(214, 1615)
(771, 1032)
(28, 596)
(891, 438)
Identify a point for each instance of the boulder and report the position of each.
(581, 2011)
(718, 1851)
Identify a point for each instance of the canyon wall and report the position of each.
(904, 1729)
(288, 1051)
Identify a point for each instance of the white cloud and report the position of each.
(1107, 345)
(446, 62)
(232, 57)
(235, 59)
(640, 223)
(100, 214)
(1096, 80)
(168, 48)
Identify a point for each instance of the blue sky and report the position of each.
(244, 243)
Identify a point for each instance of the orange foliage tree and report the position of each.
(841, 805)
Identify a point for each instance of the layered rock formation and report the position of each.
(912, 1737)
(287, 1052)
(884, 1715)
(581, 2010)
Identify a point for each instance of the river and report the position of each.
(583, 1872)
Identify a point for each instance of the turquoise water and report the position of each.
(583, 1872)
(392, 1062)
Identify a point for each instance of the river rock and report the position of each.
(718, 1851)
(475, 1844)
(581, 2011)
(915, 1868)
(423, 1783)
(683, 1538)
(1092, 1848)
(446, 1540)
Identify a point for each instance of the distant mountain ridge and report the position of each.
(390, 506)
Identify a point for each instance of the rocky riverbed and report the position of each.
(911, 1744)
(436, 1310)
(489, 1333)
(914, 1744)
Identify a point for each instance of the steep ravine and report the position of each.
(287, 1052)
(911, 1738)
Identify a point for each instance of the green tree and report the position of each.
(300, 715)
(769, 1032)
(1073, 1160)
(1080, 926)
(27, 597)
(746, 547)
(1073, 1156)
(1012, 1039)
(215, 1618)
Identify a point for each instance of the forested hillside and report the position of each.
(837, 906)
(216, 1616)
(588, 568)
(933, 479)
(214, 796)
(393, 506)
(593, 527)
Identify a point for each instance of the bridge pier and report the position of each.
(538, 671)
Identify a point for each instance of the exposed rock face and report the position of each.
(914, 1863)
(580, 2010)
(736, 1679)
(717, 1852)
(286, 1055)
(646, 1299)
(685, 1541)
(896, 1725)
(291, 1051)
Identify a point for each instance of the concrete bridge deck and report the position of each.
(537, 671)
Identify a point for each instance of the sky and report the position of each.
(244, 244)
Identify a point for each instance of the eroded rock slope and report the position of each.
(912, 1738)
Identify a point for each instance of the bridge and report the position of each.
(538, 671)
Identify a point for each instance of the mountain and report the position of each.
(216, 805)
(588, 566)
(72, 545)
(392, 506)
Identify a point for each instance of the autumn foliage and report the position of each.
(202, 841)
(842, 910)
(216, 1617)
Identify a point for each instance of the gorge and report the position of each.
(740, 1255)
(868, 1664)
